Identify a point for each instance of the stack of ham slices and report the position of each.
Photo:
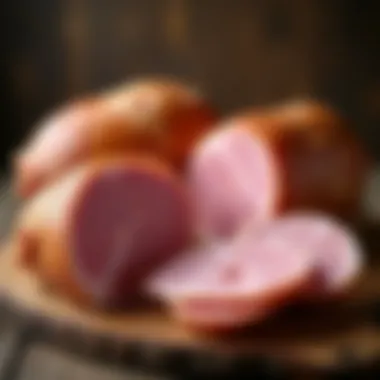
(143, 191)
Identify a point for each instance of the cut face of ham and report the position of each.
(247, 278)
(232, 177)
(225, 286)
(94, 234)
(124, 224)
(336, 251)
(260, 164)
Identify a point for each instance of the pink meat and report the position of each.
(338, 259)
(232, 177)
(224, 286)
(96, 232)
(126, 223)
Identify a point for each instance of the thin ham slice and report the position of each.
(97, 231)
(230, 285)
(337, 254)
(246, 279)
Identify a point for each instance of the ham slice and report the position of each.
(262, 163)
(244, 280)
(230, 285)
(337, 254)
(157, 116)
(94, 233)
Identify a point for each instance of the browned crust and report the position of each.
(169, 127)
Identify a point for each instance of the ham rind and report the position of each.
(260, 164)
(337, 254)
(99, 230)
(231, 285)
(160, 117)
(172, 114)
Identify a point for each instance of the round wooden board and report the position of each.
(315, 337)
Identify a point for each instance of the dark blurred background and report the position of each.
(241, 52)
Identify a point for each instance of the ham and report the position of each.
(94, 233)
(337, 254)
(161, 117)
(248, 278)
(174, 114)
(222, 286)
(260, 164)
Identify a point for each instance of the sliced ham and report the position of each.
(246, 279)
(159, 116)
(94, 233)
(337, 254)
(261, 163)
(230, 285)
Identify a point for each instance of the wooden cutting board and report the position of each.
(317, 337)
